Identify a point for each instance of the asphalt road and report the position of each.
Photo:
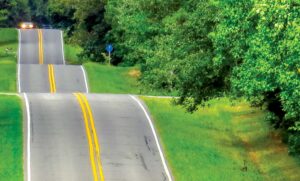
(52, 47)
(74, 137)
(29, 47)
(128, 151)
(67, 78)
(53, 50)
(59, 149)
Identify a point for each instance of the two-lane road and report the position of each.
(41, 47)
(74, 136)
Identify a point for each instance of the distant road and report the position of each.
(72, 135)
(41, 47)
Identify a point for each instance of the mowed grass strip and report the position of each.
(8, 59)
(221, 142)
(118, 80)
(109, 79)
(11, 141)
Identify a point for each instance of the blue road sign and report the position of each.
(109, 48)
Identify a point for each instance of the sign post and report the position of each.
(109, 48)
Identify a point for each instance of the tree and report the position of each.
(12, 12)
(263, 41)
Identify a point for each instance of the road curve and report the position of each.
(59, 147)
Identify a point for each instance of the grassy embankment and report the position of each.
(110, 79)
(8, 59)
(221, 142)
(11, 141)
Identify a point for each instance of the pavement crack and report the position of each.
(143, 161)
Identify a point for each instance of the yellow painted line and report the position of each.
(41, 49)
(51, 78)
(92, 140)
(96, 142)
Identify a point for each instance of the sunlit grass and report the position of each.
(221, 142)
(8, 59)
(11, 140)
(71, 54)
(109, 79)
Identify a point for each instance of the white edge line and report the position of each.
(85, 80)
(19, 65)
(62, 46)
(28, 138)
(155, 137)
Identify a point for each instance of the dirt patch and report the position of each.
(135, 73)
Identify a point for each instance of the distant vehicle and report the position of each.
(46, 26)
(27, 25)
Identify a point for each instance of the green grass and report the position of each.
(71, 54)
(109, 79)
(11, 141)
(117, 80)
(8, 59)
(215, 142)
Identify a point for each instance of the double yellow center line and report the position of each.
(92, 137)
(41, 61)
(41, 49)
(51, 78)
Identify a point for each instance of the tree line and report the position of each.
(201, 49)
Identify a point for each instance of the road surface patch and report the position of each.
(92, 140)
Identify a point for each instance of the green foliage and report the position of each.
(61, 14)
(262, 39)
(84, 23)
(170, 40)
(38, 10)
(12, 12)
(203, 49)
(294, 142)
(72, 54)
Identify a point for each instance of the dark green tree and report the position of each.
(12, 12)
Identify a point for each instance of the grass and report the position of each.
(8, 59)
(11, 141)
(109, 79)
(71, 54)
(221, 142)
(117, 80)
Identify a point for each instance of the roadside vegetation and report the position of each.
(108, 79)
(11, 138)
(72, 54)
(8, 59)
(225, 141)
(118, 80)
(199, 49)
(104, 78)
